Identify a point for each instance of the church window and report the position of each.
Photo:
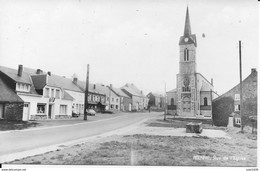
(172, 101)
(205, 101)
(186, 55)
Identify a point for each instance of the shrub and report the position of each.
(221, 109)
(249, 109)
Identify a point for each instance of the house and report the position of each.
(249, 90)
(11, 105)
(45, 95)
(125, 100)
(156, 101)
(139, 100)
(96, 98)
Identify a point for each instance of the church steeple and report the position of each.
(187, 37)
(187, 29)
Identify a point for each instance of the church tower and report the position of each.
(186, 79)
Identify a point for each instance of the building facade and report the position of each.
(139, 100)
(194, 93)
(125, 100)
(156, 101)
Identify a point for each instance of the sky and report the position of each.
(129, 41)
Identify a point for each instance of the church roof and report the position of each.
(187, 28)
(187, 32)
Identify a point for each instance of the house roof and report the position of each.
(119, 92)
(8, 95)
(12, 73)
(52, 80)
(67, 96)
(39, 81)
(133, 90)
(172, 91)
(82, 86)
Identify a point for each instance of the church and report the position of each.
(194, 93)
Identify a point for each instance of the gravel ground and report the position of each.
(144, 149)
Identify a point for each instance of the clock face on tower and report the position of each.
(186, 39)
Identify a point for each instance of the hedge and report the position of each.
(221, 109)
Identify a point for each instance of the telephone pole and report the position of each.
(241, 86)
(86, 95)
(166, 105)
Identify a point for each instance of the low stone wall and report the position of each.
(38, 117)
(62, 117)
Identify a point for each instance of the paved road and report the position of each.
(19, 141)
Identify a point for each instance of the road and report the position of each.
(24, 140)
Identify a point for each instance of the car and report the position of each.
(74, 114)
(91, 112)
(107, 111)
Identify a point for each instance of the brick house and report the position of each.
(11, 105)
(249, 98)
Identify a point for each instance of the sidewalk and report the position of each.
(21, 125)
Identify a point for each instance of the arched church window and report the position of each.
(186, 55)
(172, 101)
(205, 101)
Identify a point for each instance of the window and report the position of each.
(47, 92)
(52, 92)
(172, 101)
(63, 109)
(57, 96)
(205, 101)
(237, 97)
(116, 100)
(237, 107)
(238, 121)
(40, 108)
(186, 89)
(112, 99)
(116, 106)
(112, 106)
(186, 55)
(89, 97)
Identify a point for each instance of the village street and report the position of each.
(13, 142)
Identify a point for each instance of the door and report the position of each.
(50, 111)
(1, 110)
(26, 112)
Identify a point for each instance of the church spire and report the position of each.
(187, 29)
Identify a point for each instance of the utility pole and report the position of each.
(165, 106)
(86, 95)
(241, 86)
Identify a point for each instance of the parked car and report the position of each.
(74, 114)
(107, 111)
(91, 112)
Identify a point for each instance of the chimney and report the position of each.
(49, 73)
(75, 80)
(20, 70)
(111, 86)
(141, 92)
(211, 81)
(94, 86)
(253, 70)
(38, 71)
